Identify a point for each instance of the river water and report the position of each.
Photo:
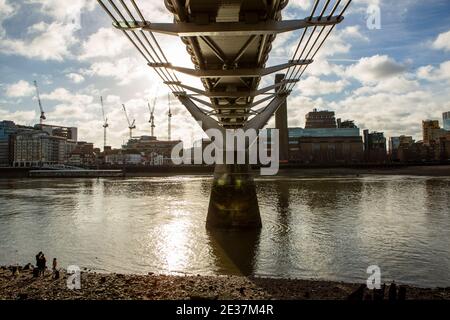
(313, 228)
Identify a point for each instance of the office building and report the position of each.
(8, 130)
(374, 147)
(152, 148)
(431, 131)
(397, 143)
(446, 120)
(320, 119)
(69, 133)
(36, 149)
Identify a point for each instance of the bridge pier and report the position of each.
(233, 203)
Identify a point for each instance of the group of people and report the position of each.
(41, 265)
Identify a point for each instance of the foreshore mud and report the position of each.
(21, 285)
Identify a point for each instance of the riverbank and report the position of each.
(291, 170)
(429, 171)
(97, 286)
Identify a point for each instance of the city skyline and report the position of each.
(387, 84)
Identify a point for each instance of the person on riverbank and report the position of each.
(42, 264)
(38, 257)
(55, 272)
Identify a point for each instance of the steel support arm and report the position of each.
(260, 120)
(206, 121)
(189, 29)
(230, 94)
(220, 73)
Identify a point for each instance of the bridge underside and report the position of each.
(229, 42)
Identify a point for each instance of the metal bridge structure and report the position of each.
(229, 42)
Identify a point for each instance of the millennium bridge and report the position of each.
(229, 42)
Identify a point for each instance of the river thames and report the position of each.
(313, 228)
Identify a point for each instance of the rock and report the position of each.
(28, 266)
(204, 297)
(402, 293)
(378, 294)
(22, 296)
(358, 294)
(393, 292)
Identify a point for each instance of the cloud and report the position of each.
(301, 4)
(313, 86)
(394, 85)
(435, 74)
(375, 68)
(392, 113)
(75, 77)
(19, 117)
(106, 42)
(63, 95)
(123, 70)
(19, 89)
(442, 42)
(45, 42)
(67, 11)
(7, 10)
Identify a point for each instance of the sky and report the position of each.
(386, 79)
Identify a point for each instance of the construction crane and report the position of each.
(152, 117)
(131, 125)
(105, 124)
(42, 117)
(169, 114)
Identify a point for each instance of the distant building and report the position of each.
(120, 158)
(8, 130)
(397, 143)
(346, 124)
(35, 149)
(324, 145)
(152, 148)
(431, 131)
(446, 120)
(320, 119)
(70, 133)
(374, 147)
(81, 154)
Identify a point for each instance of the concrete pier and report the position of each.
(233, 203)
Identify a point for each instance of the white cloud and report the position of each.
(19, 89)
(375, 68)
(435, 74)
(75, 77)
(19, 117)
(123, 70)
(7, 10)
(394, 85)
(47, 42)
(106, 42)
(442, 42)
(67, 11)
(313, 86)
(392, 113)
(302, 4)
(63, 95)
